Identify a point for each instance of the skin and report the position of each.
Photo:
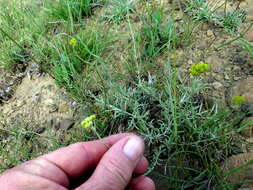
(97, 165)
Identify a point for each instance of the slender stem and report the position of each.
(14, 41)
(24, 49)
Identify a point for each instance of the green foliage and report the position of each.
(157, 35)
(232, 20)
(119, 10)
(19, 30)
(73, 64)
(248, 46)
(176, 126)
(197, 69)
(72, 9)
(200, 11)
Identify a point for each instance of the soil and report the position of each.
(33, 98)
(36, 101)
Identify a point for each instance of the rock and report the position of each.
(52, 107)
(248, 123)
(217, 85)
(65, 124)
(49, 102)
(247, 109)
(226, 77)
(63, 108)
(236, 68)
(202, 45)
(249, 35)
(237, 78)
(40, 130)
(36, 97)
(6, 93)
(244, 88)
(20, 103)
(209, 33)
(240, 60)
(214, 62)
(236, 161)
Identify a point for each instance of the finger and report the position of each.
(20, 180)
(116, 167)
(142, 166)
(142, 183)
(140, 169)
(75, 159)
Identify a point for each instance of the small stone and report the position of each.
(40, 130)
(247, 109)
(236, 68)
(202, 45)
(244, 88)
(243, 4)
(237, 78)
(209, 33)
(249, 35)
(228, 69)
(248, 132)
(36, 98)
(215, 62)
(65, 124)
(190, 62)
(217, 85)
(20, 103)
(49, 102)
(240, 60)
(67, 138)
(205, 26)
(52, 107)
(211, 80)
(226, 77)
(63, 108)
(235, 162)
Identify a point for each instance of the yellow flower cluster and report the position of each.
(88, 121)
(197, 69)
(73, 42)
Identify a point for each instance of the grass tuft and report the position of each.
(72, 9)
(74, 63)
(179, 129)
(119, 10)
(200, 11)
(158, 34)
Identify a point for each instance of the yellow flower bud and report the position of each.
(73, 42)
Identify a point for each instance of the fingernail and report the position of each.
(133, 149)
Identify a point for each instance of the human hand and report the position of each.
(114, 160)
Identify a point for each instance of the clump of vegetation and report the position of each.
(177, 129)
(119, 10)
(75, 59)
(72, 9)
(197, 69)
(157, 34)
(237, 100)
(200, 11)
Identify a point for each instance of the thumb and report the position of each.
(116, 167)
